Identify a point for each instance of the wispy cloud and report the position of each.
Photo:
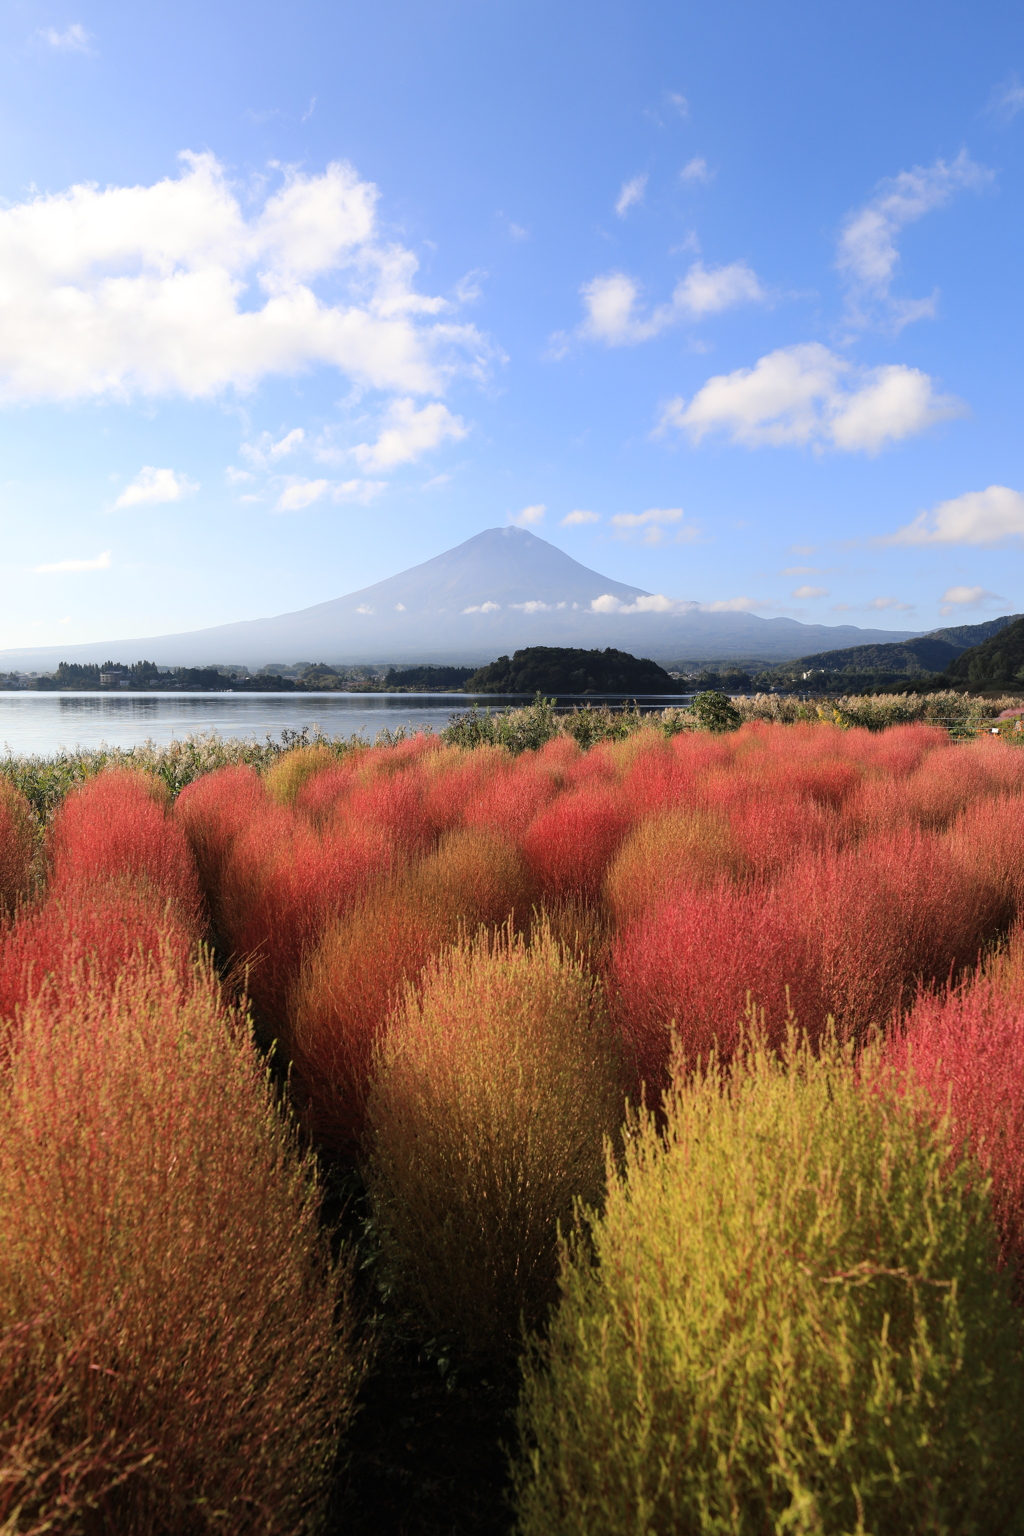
(612, 302)
(868, 255)
(577, 519)
(267, 450)
(808, 396)
(809, 592)
(1006, 100)
(152, 487)
(651, 525)
(528, 516)
(992, 516)
(73, 39)
(58, 567)
(885, 604)
(696, 170)
(298, 494)
(632, 193)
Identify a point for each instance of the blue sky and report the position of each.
(723, 300)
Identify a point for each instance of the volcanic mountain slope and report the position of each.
(502, 590)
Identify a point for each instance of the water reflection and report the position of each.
(46, 723)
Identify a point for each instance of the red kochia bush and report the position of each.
(570, 844)
(182, 1340)
(688, 967)
(16, 842)
(116, 826)
(89, 931)
(282, 882)
(967, 1047)
(213, 810)
(879, 917)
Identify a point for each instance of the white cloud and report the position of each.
(992, 516)
(365, 608)
(695, 170)
(409, 434)
(299, 493)
(235, 476)
(963, 597)
(287, 444)
(483, 608)
(659, 603)
(808, 395)
(536, 606)
(801, 570)
(654, 522)
(101, 563)
(632, 192)
(809, 592)
(577, 519)
(74, 39)
(173, 289)
(265, 452)
(680, 103)
(611, 302)
(528, 515)
(868, 256)
(152, 486)
(882, 604)
(1006, 100)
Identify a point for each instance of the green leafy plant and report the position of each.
(714, 712)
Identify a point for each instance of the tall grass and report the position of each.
(178, 1350)
(494, 1089)
(17, 844)
(787, 1319)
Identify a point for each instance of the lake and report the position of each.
(46, 723)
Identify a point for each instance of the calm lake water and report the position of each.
(46, 723)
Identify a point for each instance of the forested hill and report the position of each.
(997, 663)
(564, 670)
(927, 654)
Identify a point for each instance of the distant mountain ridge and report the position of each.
(502, 590)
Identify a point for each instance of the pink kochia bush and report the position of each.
(177, 1350)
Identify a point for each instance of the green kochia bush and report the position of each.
(496, 1087)
(787, 1319)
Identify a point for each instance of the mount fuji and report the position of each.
(499, 591)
